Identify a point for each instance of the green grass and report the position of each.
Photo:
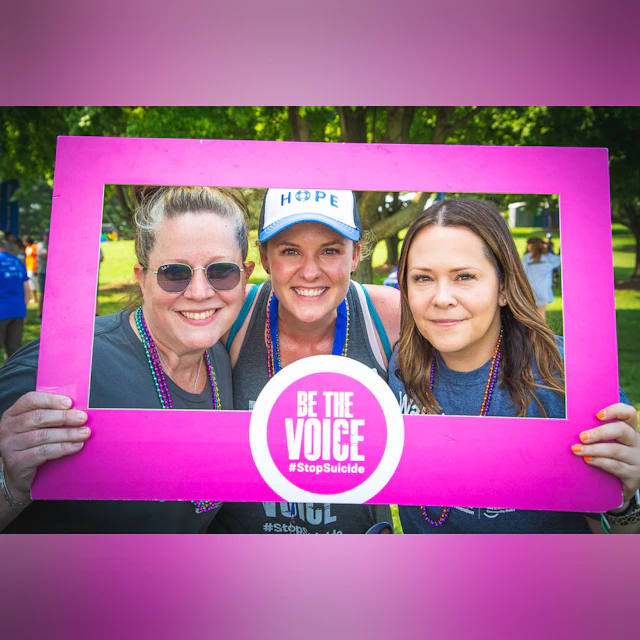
(117, 279)
(117, 267)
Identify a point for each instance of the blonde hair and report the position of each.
(155, 204)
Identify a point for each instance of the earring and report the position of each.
(268, 272)
(504, 301)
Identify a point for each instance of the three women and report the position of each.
(468, 322)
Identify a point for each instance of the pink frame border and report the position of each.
(139, 454)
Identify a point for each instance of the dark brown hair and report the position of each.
(526, 338)
(535, 247)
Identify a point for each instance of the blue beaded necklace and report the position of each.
(340, 340)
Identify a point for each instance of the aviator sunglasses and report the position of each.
(176, 277)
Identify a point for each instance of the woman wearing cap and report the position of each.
(191, 244)
(473, 343)
(310, 245)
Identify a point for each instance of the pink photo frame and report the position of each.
(447, 460)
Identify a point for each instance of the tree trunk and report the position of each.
(125, 204)
(399, 121)
(444, 126)
(635, 228)
(369, 203)
(631, 218)
(402, 219)
(364, 272)
(299, 125)
(353, 124)
(392, 249)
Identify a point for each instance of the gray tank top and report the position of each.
(250, 374)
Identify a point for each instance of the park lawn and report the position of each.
(117, 280)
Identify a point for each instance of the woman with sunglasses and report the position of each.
(191, 245)
(473, 343)
(310, 245)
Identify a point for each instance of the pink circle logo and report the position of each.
(326, 427)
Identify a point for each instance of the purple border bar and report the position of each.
(456, 52)
(344, 586)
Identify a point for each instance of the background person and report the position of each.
(472, 343)
(14, 295)
(310, 245)
(42, 254)
(31, 263)
(14, 245)
(191, 243)
(539, 265)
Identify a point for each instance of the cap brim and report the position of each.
(351, 233)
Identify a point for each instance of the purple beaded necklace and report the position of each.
(162, 389)
(484, 410)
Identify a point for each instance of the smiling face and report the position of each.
(454, 295)
(196, 318)
(310, 266)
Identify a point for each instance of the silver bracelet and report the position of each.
(11, 501)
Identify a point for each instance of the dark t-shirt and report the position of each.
(120, 378)
(461, 393)
(250, 375)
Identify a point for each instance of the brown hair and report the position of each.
(535, 247)
(526, 338)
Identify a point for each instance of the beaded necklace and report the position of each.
(162, 389)
(484, 410)
(340, 340)
(274, 363)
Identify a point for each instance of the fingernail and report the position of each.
(85, 430)
(601, 414)
(66, 403)
(584, 436)
(81, 416)
(77, 445)
(587, 458)
(576, 448)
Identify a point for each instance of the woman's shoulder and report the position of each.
(386, 301)
(383, 294)
(234, 339)
(106, 324)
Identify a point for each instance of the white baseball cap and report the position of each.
(283, 208)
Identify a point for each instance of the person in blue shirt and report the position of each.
(472, 343)
(14, 295)
(539, 264)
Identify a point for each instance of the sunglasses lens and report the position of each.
(223, 276)
(174, 278)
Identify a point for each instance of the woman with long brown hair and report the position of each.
(472, 342)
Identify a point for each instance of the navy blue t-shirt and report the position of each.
(13, 275)
(461, 393)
